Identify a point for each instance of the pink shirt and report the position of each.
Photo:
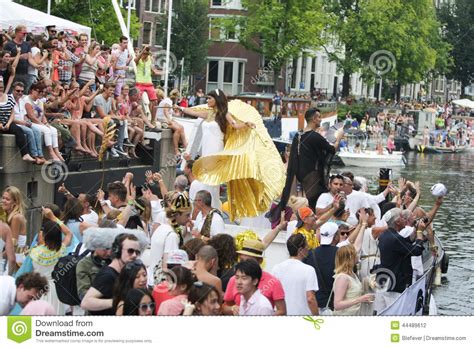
(172, 306)
(269, 286)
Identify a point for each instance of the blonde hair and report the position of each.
(174, 94)
(18, 203)
(92, 47)
(160, 93)
(345, 259)
(297, 202)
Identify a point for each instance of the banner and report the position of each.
(410, 301)
(291, 331)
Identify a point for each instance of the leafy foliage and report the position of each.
(458, 29)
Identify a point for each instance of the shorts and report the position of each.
(119, 85)
(148, 88)
(276, 108)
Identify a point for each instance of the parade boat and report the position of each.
(441, 149)
(422, 119)
(444, 141)
(372, 159)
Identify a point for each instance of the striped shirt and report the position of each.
(6, 109)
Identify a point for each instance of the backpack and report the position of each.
(64, 276)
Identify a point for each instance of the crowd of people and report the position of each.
(57, 89)
(156, 250)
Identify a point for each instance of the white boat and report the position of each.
(372, 159)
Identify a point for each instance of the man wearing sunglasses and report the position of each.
(98, 299)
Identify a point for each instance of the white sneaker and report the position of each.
(114, 153)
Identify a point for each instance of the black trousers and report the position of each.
(19, 138)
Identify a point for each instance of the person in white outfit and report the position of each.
(35, 112)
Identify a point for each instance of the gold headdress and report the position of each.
(180, 203)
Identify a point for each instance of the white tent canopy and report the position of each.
(465, 103)
(13, 14)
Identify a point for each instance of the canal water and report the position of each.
(454, 223)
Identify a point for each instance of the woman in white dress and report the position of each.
(212, 139)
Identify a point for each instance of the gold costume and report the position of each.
(249, 164)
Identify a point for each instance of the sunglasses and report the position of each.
(345, 233)
(19, 90)
(132, 251)
(145, 306)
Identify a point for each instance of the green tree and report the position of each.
(97, 14)
(345, 30)
(189, 40)
(458, 25)
(279, 29)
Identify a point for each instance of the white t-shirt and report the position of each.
(355, 201)
(160, 112)
(297, 278)
(91, 218)
(291, 228)
(194, 188)
(156, 209)
(163, 241)
(31, 69)
(324, 200)
(20, 110)
(7, 294)
(217, 224)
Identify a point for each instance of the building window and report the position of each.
(124, 4)
(146, 33)
(156, 6)
(228, 4)
(228, 72)
(231, 34)
(217, 31)
(213, 73)
(241, 73)
(214, 29)
(228, 75)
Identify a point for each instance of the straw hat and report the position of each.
(252, 247)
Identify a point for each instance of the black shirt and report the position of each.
(325, 257)
(313, 154)
(395, 253)
(104, 283)
(22, 68)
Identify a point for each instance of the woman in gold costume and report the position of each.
(238, 150)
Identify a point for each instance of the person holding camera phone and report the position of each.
(395, 249)
(145, 69)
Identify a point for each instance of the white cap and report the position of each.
(177, 257)
(439, 190)
(327, 231)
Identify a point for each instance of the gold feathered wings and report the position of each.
(249, 164)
